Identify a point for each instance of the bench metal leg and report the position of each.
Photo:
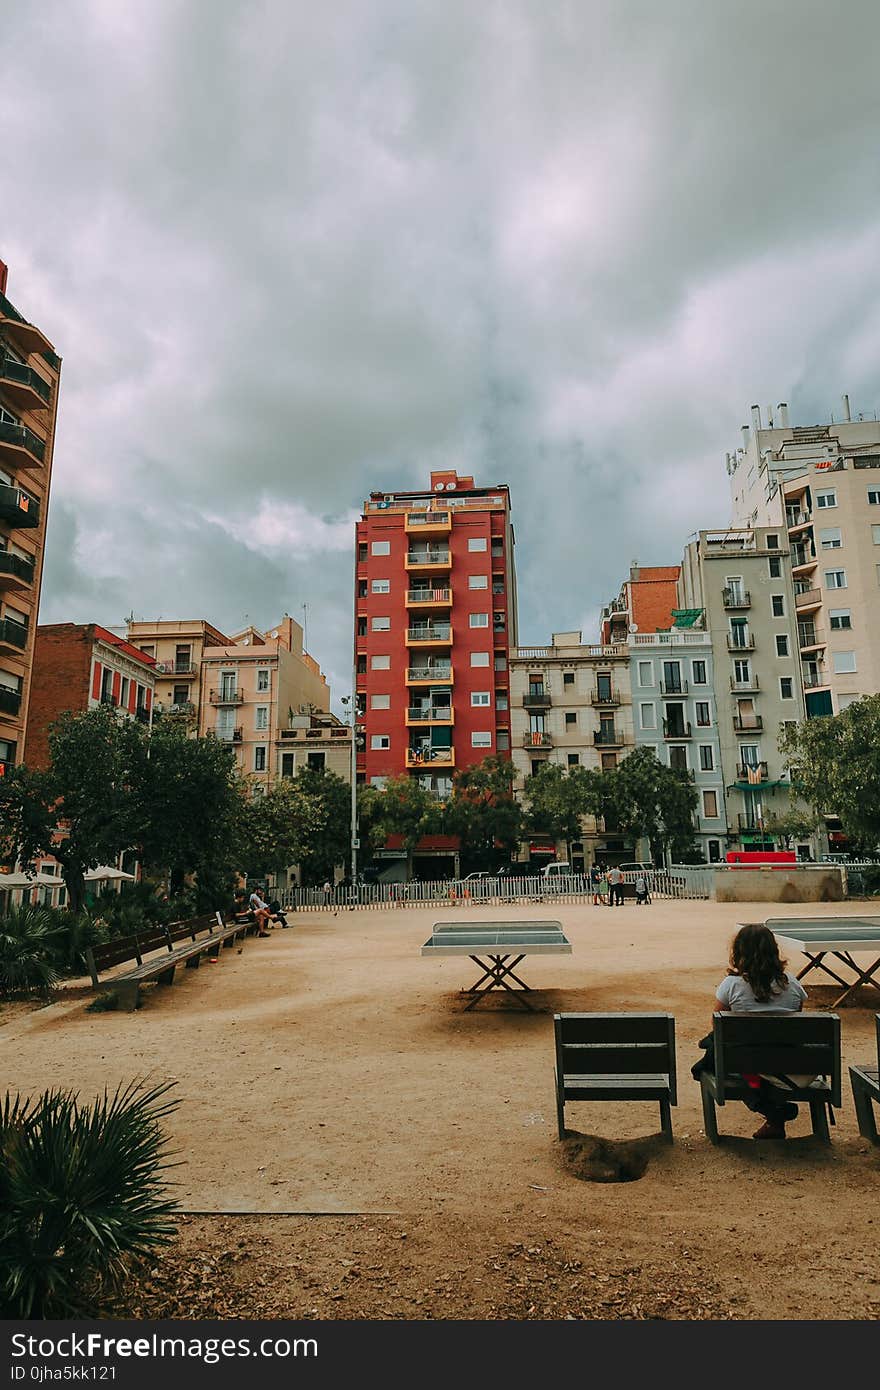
(819, 1115)
(560, 1107)
(864, 1107)
(666, 1119)
(128, 997)
(709, 1121)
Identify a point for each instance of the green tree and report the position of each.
(277, 829)
(332, 844)
(835, 765)
(402, 807)
(558, 798)
(645, 799)
(483, 811)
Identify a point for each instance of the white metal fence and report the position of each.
(681, 881)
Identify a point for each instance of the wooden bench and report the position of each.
(774, 1044)
(865, 1083)
(616, 1057)
(180, 943)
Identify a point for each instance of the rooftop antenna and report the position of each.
(305, 609)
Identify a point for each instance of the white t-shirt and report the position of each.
(737, 996)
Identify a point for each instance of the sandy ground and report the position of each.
(386, 1154)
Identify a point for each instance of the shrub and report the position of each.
(81, 1196)
(871, 879)
(29, 946)
(77, 932)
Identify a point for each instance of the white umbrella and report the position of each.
(107, 871)
(23, 881)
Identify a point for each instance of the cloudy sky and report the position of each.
(292, 252)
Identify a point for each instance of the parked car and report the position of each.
(635, 867)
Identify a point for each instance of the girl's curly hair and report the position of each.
(754, 955)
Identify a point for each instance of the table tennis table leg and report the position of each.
(865, 977)
(496, 974)
(816, 963)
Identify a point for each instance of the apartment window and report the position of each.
(678, 758)
(774, 564)
(826, 498)
(380, 702)
(260, 758)
(316, 761)
(701, 709)
(777, 605)
(378, 782)
(742, 673)
(609, 761)
(502, 740)
(148, 650)
(476, 543)
(501, 699)
(648, 716)
(362, 550)
(710, 804)
(478, 619)
(786, 688)
(381, 586)
(500, 663)
(568, 678)
(380, 548)
(840, 619)
(707, 758)
(362, 588)
(261, 717)
(830, 538)
(480, 697)
(381, 624)
(835, 579)
(123, 692)
(380, 741)
(262, 680)
(478, 581)
(574, 759)
(380, 663)
(844, 662)
(646, 673)
(361, 627)
(874, 496)
(287, 764)
(570, 718)
(479, 658)
(698, 672)
(875, 534)
(361, 665)
(772, 542)
(782, 645)
(481, 740)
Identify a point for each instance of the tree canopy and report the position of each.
(835, 766)
(483, 811)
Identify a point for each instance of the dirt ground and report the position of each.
(354, 1145)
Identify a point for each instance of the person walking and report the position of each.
(595, 881)
(615, 882)
(329, 899)
(604, 887)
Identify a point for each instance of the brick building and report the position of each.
(436, 614)
(79, 666)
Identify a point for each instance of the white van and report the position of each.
(555, 871)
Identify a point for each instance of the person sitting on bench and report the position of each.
(261, 910)
(758, 982)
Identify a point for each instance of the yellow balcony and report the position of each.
(432, 523)
(429, 675)
(420, 718)
(431, 558)
(429, 635)
(429, 598)
(430, 758)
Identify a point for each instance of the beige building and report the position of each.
(820, 487)
(319, 741)
(178, 647)
(570, 704)
(254, 688)
(742, 581)
(29, 378)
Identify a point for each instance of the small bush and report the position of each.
(30, 941)
(81, 1196)
(871, 879)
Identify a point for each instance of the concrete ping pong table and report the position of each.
(503, 944)
(840, 937)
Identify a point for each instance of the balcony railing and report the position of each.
(797, 518)
(229, 735)
(26, 337)
(744, 642)
(533, 739)
(751, 684)
(429, 596)
(537, 699)
(814, 680)
(227, 696)
(748, 724)
(808, 598)
(434, 632)
(612, 698)
(810, 636)
(13, 634)
(19, 446)
(440, 674)
(438, 714)
(23, 385)
(737, 598)
(142, 714)
(15, 567)
(744, 769)
(10, 700)
(428, 523)
(433, 757)
(17, 508)
(673, 729)
(607, 738)
(752, 823)
(679, 687)
(802, 555)
(425, 559)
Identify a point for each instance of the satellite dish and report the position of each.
(438, 487)
(633, 627)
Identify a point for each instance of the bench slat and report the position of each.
(600, 1058)
(611, 1028)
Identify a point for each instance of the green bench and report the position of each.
(616, 1057)
(158, 952)
(865, 1082)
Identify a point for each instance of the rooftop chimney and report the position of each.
(756, 418)
(745, 435)
(782, 413)
(846, 415)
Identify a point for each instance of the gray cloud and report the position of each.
(290, 256)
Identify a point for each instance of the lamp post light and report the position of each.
(351, 700)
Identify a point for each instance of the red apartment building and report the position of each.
(78, 666)
(435, 616)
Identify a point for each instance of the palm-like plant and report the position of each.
(29, 938)
(82, 1194)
